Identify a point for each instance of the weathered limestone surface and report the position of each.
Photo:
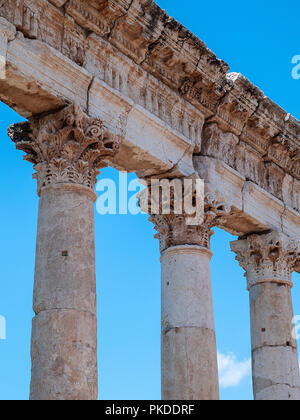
(64, 356)
(66, 149)
(189, 353)
(138, 70)
(64, 336)
(132, 80)
(65, 268)
(7, 33)
(269, 261)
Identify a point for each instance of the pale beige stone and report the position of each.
(186, 288)
(271, 315)
(269, 261)
(278, 393)
(64, 336)
(98, 57)
(65, 255)
(7, 33)
(189, 368)
(170, 108)
(58, 3)
(66, 149)
(189, 355)
(64, 355)
(276, 367)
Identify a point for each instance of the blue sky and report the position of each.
(257, 39)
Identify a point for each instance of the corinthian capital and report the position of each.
(67, 147)
(267, 258)
(174, 228)
(8, 30)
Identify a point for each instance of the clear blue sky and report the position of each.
(258, 39)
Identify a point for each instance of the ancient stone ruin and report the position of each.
(120, 83)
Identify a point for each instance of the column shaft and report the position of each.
(189, 356)
(274, 349)
(269, 261)
(64, 335)
(67, 149)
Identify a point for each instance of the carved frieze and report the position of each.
(36, 19)
(97, 16)
(121, 74)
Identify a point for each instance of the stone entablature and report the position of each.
(156, 120)
(66, 148)
(269, 261)
(164, 48)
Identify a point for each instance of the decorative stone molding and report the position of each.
(173, 229)
(270, 257)
(136, 84)
(66, 148)
(157, 44)
(273, 166)
(7, 33)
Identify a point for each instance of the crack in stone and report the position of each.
(66, 5)
(88, 94)
(282, 216)
(64, 309)
(277, 384)
(169, 328)
(152, 45)
(169, 172)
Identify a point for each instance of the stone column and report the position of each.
(188, 340)
(269, 261)
(67, 149)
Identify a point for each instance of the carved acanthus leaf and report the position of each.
(174, 229)
(270, 257)
(66, 147)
